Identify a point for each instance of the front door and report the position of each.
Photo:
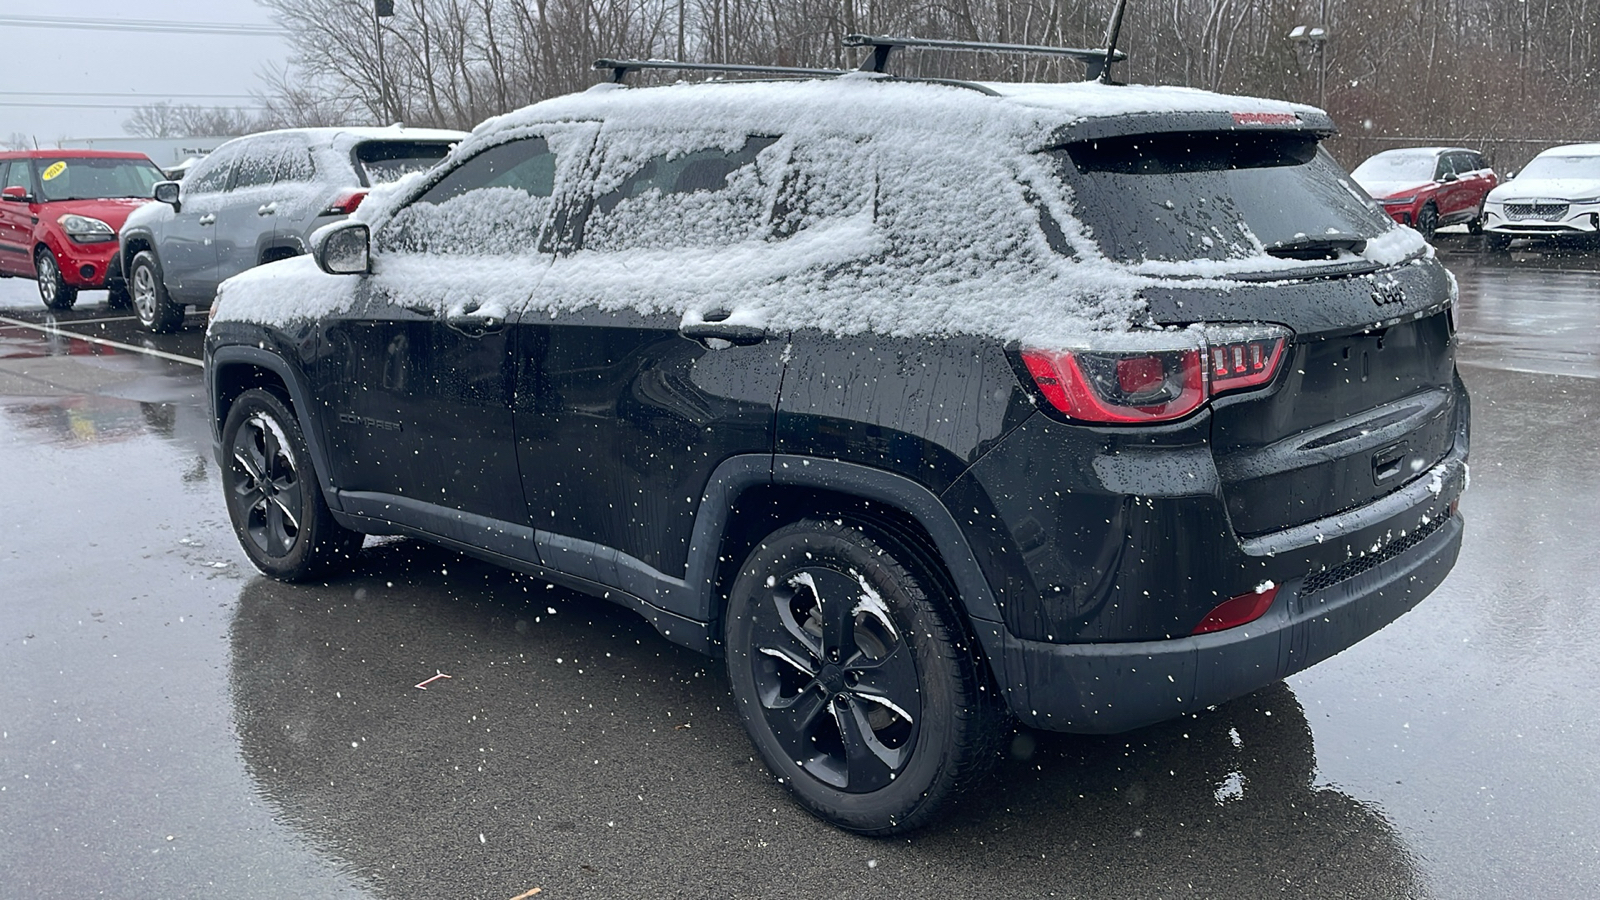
(420, 373)
(16, 219)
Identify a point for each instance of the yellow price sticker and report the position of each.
(54, 171)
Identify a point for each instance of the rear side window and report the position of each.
(704, 198)
(495, 203)
(1210, 195)
(257, 165)
(381, 162)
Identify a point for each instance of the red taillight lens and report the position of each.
(346, 203)
(1120, 387)
(1141, 386)
(1240, 610)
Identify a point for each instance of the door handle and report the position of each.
(738, 335)
(268, 209)
(208, 219)
(473, 325)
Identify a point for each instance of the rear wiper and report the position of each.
(1323, 246)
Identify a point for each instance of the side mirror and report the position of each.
(167, 192)
(343, 248)
(1449, 177)
(16, 193)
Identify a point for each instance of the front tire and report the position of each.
(854, 679)
(1428, 221)
(274, 499)
(151, 304)
(53, 287)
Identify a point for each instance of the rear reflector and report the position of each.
(1116, 386)
(1240, 610)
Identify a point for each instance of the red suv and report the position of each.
(60, 211)
(1429, 187)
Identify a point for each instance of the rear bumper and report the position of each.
(1114, 687)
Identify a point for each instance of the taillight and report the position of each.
(345, 204)
(1131, 384)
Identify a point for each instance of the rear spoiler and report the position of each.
(1299, 119)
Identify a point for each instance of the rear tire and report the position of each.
(53, 288)
(856, 686)
(118, 298)
(274, 498)
(151, 304)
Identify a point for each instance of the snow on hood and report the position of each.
(945, 239)
(1382, 189)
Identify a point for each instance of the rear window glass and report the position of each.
(386, 161)
(1210, 195)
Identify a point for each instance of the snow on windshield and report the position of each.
(847, 205)
(1563, 166)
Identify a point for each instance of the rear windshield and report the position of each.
(1211, 195)
(386, 161)
(95, 178)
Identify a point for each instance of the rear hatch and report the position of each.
(1261, 226)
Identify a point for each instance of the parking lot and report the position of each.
(174, 725)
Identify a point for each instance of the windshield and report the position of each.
(386, 161)
(1211, 195)
(1411, 167)
(95, 178)
(1563, 167)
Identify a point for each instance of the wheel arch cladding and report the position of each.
(233, 369)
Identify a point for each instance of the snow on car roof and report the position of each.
(1573, 150)
(947, 241)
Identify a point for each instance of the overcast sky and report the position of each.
(90, 64)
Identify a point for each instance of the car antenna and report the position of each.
(1113, 31)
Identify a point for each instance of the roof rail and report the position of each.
(621, 67)
(1096, 62)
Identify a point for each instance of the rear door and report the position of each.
(622, 417)
(247, 210)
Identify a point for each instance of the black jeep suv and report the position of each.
(925, 404)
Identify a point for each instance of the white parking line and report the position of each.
(147, 351)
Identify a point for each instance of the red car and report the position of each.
(1429, 187)
(60, 211)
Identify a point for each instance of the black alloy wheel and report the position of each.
(53, 288)
(856, 686)
(274, 500)
(1428, 221)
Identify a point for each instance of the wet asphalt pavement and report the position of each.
(173, 725)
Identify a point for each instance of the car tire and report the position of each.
(151, 303)
(870, 709)
(53, 288)
(274, 499)
(118, 298)
(1475, 224)
(1428, 221)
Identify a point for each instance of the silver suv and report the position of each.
(254, 200)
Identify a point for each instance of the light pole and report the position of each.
(382, 9)
(1313, 39)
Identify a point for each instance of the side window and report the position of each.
(211, 174)
(257, 165)
(20, 175)
(1445, 167)
(495, 203)
(295, 165)
(704, 198)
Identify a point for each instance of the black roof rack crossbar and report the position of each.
(621, 67)
(1095, 61)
